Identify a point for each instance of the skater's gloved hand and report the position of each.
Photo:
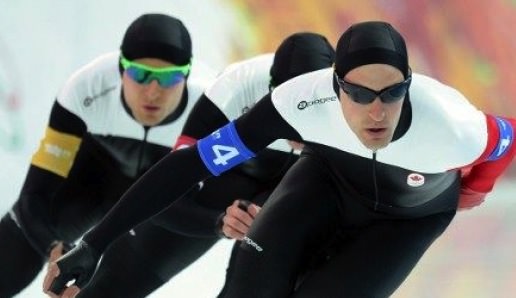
(238, 218)
(57, 249)
(78, 265)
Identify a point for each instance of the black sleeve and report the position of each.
(163, 183)
(42, 181)
(160, 186)
(197, 213)
(191, 215)
(65, 121)
(189, 218)
(204, 118)
(263, 125)
(34, 204)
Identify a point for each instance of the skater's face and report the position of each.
(152, 88)
(371, 98)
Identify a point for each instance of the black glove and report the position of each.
(79, 264)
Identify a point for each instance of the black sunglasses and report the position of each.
(364, 95)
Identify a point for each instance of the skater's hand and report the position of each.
(238, 218)
(296, 145)
(77, 266)
(55, 253)
(57, 249)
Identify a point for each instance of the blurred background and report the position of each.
(467, 44)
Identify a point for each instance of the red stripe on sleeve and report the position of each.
(184, 141)
(493, 135)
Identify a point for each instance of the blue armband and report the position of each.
(223, 149)
(504, 141)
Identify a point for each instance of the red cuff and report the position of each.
(469, 198)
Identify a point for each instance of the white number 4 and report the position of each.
(223, 154)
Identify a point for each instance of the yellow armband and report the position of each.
(56, 152)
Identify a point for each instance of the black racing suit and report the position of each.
(385, 207)
(92, 151)
(155, 251)
(141, 261)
